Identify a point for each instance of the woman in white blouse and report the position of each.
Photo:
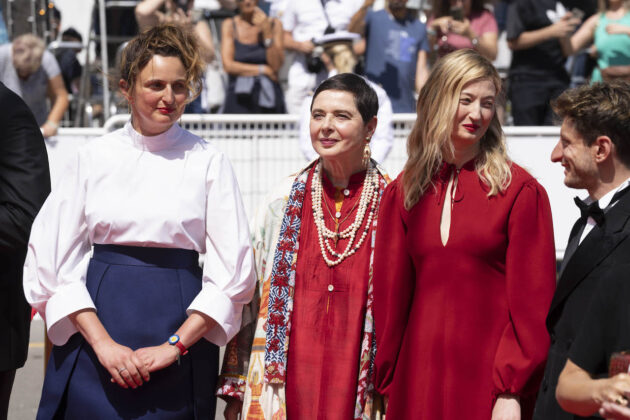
(136, 325)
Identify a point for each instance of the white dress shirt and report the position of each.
(604, 204)
(173, 190)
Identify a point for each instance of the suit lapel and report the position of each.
(597, 245)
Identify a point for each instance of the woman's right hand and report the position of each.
(443, 24)
(232, 408)
(122, 364)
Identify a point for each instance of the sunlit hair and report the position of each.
(365, 98)
(429, 142)
(167, 40)
(27, 53)
(600, 109)
(343, 58)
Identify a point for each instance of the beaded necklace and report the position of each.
(367, 204)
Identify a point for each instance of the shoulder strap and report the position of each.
(323, 2)
(235, 29)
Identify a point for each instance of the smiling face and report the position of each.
(159, 95)
(338, 133)
(474, 113)
(577, 158)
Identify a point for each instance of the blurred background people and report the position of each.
(396, 50)
(302, 21)
(457, 24)
(609, 33)
(33, 73)
(338, 57)
(252, 52)
(538, 33)
(455, 255)
(68, 63)
(24, 185)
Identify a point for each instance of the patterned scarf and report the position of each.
(281, 298)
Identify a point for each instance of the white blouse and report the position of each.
(173, 190)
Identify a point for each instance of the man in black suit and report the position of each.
(24, 185)
(594, 149)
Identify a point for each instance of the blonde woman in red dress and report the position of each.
(464, 267)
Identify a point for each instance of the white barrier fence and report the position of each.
(264, 149)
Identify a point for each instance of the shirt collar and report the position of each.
(162, 141)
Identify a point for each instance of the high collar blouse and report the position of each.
(173, 190)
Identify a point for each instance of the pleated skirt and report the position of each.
(141, 296)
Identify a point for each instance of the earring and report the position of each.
(367, 153)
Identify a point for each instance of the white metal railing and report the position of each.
(264, 149)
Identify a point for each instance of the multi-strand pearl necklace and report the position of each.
(367, 204)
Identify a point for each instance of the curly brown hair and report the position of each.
(167, 40)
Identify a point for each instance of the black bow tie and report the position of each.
(591, 210)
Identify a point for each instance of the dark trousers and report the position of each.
(6, 383)
(531, 98)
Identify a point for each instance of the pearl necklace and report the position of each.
(367, 204)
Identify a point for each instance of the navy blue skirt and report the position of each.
(141, 296)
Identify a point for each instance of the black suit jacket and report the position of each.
(605, 247)
(24, 185)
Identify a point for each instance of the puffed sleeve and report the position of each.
(530, 282)
(58, 255)
(228, 271)
(394, 282)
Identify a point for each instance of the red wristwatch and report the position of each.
(174, 340)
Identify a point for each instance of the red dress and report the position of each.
(328, 313)
(457, 325)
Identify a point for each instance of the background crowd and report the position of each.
(267, 56)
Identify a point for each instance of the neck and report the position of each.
(610, 177)
(463, 155)
(614, 6)
(339, 173)
(399, 12)
(247, 17)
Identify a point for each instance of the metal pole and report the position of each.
(33, 18)
(9, 16)
(104, 59)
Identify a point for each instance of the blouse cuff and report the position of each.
(496, 393)
(218, 306)
(68, 299)
(231, 386)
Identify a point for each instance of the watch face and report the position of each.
(173, 339)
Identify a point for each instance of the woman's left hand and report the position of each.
(462, 27)
(507, 407)
(616, 28)
(261, 20)
(158, 357)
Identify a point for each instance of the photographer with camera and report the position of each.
(463, 24)
(302, 22)
(396, 47)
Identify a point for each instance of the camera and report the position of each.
(314, 63)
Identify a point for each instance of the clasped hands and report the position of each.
(612, 394)
(130, 368)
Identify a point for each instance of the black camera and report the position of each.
(314, 63)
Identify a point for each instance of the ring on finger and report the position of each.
(621, 400)
(122, 369)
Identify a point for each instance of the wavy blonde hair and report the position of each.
(429, 142)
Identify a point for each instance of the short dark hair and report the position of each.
(72, 33)
(600, 109)
(365, 98)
